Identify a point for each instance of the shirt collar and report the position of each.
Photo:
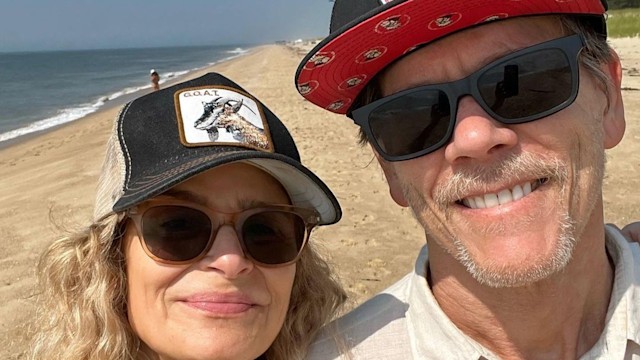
(623, 315)
(429, 325)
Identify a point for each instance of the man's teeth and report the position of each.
(503, 197)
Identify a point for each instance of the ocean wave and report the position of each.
(64, 116)
(125, 91)
(70, 114)
(171, 75)
(237, 50)
(74, 113)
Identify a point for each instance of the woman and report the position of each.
(197, 250)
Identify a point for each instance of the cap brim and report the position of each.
(337, 69)
(303, 187)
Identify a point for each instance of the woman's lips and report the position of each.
(216, 303)
(220, 307)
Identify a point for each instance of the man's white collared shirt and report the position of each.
(405, 321)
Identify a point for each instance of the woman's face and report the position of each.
(223, 306)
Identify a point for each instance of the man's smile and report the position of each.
(502, 197)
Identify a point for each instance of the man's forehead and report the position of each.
(464, 52)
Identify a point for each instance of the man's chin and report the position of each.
(517, 264)
(512, 276)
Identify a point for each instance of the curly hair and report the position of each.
(597, 51)
(82, 303)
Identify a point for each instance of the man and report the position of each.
(490, 120)
(155, 79)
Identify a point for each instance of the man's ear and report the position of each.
(392, 180)
(613, 120)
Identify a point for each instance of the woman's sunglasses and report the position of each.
(176, 232)
(526, 85)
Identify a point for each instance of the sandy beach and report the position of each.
(48, 183)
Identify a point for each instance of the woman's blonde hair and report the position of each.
(82, 304)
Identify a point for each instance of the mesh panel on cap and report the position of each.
(112, 175)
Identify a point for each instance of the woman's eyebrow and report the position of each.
(242, 203)
(186, 196)
(251, 203)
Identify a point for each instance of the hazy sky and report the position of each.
(27, 25)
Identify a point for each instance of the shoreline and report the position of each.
(26, 142)
(121, 100)
(7, 144)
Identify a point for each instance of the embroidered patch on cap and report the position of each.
(494, 17)
(371, 54)
(392, 23)
(319, 59)
(338, 104)
(444, 21)
(308, 87)
(221, 116)
(352, 82)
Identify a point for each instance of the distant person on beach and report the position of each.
(490, 120)
(198, 249)
(155, 79)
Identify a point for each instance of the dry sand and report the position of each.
(53, 176)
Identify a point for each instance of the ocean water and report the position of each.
(39, 90)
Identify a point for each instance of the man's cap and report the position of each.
(368, 35)
(171, 135)
(152, 71)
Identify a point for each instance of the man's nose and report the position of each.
(477, 135)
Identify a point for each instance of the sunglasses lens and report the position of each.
(528, 85)
(175, 233)
(273, 237)
(524, 86)
(411, 123)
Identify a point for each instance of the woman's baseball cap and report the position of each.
(368, 35)
(171, 135)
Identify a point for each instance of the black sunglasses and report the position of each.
(526, 85)
(177, 232)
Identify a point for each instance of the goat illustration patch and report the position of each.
(221, 116)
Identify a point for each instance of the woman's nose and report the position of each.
(226, 255)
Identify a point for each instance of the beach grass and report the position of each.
(624, 23)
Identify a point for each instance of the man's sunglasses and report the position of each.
(176, 232)
(526, 85)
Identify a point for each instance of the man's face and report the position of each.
(508, 202)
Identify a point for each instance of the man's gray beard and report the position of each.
(515, 167)
(503, 277)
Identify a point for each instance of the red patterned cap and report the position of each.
(368, 35)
